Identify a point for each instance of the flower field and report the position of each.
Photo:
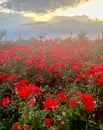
(51, 86)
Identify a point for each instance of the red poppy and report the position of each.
(24, 92)
(25, 127)
(48, 121)
(77, 93)
(53, 67)
(22, 83)
(40, 78)
(4, 77)
(72, 101)
(15, 126)
(50, 103)
(13, 76)
(99, 80)
(5, 101)
(88, 101)
(34, 88)
(32, 102)
(75, 67)
(40, 66)
(29, 62)
(61, 96)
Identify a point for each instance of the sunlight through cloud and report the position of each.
(93, 9)
(39, 16)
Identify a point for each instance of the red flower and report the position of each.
(25, 127)
(72, 101)
(13, 76)
(50, 103)
(99, 80)
(70, 79)
(4, 77)
(32, 102)
(40, 78)
(75, 67)
(17, 57)
(40, 66)
(88, 101)
(34, 88)
(29, 62)
(20, 84)
(61, 96)
(53, 67)
(24, 92)
(56, 75)
(77, 93)
(78, 78)
(48, 121)
(5, 101)
(15, 126)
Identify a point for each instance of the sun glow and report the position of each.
(93, 9)
(40, 17)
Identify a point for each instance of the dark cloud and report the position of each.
(34, 23)
(38, 5)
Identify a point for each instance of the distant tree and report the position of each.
(19, 35)
(3, 33)
(22, 40)
(58, 40)
(42, 36)
(19, 38)
(82, 35)
(33, 39)
(16, 34)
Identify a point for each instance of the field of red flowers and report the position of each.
(51, 86)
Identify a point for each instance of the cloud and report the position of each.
(34, 23)
(92, 8)
(44, 11)
(63, 26)
(59, 27)
(38, 6)
(2, 1)
(32, 17)
(12, 21)
(35, 5)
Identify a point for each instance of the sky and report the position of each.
(56, 18)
